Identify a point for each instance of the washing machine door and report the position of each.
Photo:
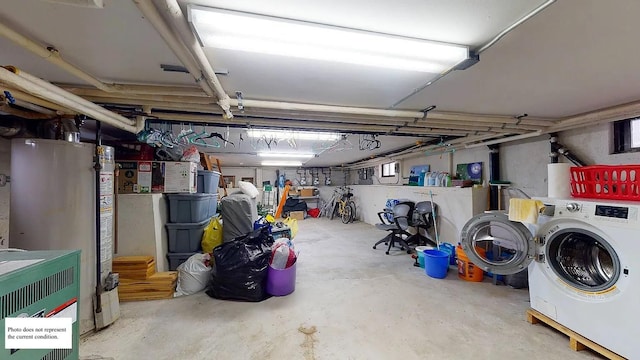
(497, 245)
(580, 255)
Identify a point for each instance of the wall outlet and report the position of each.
(4, 179)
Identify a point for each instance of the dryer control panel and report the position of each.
(618, 212)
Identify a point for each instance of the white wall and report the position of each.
(141, 230)
(592, 145)
(5, 191)
(455, 205)
(524, 163)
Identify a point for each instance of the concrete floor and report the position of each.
(350, 302)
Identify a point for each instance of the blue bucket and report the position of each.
(436, 263)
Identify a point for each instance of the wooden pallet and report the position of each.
(160, 285)
(577, 342)
(134, 267)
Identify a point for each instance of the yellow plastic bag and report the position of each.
(293, 225)
(212, 235)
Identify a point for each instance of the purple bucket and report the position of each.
(281, 282)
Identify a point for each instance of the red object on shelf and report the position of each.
(613, 182)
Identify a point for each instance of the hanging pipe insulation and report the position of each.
(67, 95)
(56, 95)
(97, 168)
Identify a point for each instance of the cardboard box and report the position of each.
(157, 177)
(180, 177)
(294, 192)
(307, 192)
(128, 177)
(298, 215)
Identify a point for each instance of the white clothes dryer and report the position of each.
(583, 261)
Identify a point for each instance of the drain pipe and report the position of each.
(97, 167)
(179, 22)
(568, 155)
(553, 142)
(66, 99)
(494, 174)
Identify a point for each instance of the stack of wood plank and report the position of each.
(139, 280)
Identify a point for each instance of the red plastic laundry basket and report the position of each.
(613, 182)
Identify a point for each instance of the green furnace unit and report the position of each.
(39, 284)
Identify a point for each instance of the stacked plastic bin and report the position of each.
(189, 215)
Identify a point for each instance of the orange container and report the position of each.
(466, 269)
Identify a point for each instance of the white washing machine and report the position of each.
(583, 261)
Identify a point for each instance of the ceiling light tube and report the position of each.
(285, 155)
(503, 140)
(233, 30)
(281, 163)
(298, 135)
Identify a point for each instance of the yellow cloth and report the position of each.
(525, 210)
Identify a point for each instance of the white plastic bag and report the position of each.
(193, 275)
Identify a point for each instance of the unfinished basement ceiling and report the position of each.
(569, 59)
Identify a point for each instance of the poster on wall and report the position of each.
(470, 171)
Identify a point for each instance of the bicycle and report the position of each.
(341, 205)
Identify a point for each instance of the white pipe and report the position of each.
(514, 25)
(610, 114)
(71, 97)
(177, 18)
(79, 104)
(51, 56)
(179, 49)
(17, 94)
(503, 140)
(34, 107)
(6, 108)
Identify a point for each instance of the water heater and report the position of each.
(53, 207)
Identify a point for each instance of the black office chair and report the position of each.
(402, 213)
(423, 220)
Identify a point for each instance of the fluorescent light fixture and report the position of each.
(85, 3)
(281, 163)
(233, 30)
(291, 134)
(503, 140)
(285, 155)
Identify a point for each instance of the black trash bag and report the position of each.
(240, 267)
(293, 204)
